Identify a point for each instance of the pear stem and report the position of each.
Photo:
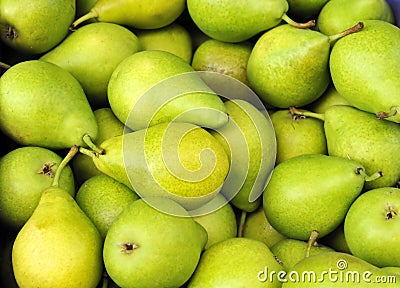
(242, 221)
(293, 23)
(91, 14)
(369, 178)
(88, 140)
(295, 111)
(311, 241)
(4, 65)
(355, 28)
(392, 112)
(87, 152)
(64, 162)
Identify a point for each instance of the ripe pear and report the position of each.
(58, 246)
(235, 262)
(103, 198)
(330, 97)
(295, 198)
(173, 38)
(223, 57)
(175, 160)
(372, 226)
(365, 69)
(296, 135)
(112, 44)
(41, 104)
(146, 247)
(24, 173)
(155, 86)
(290, 66)
(137, 14)
(34, 28)
(337, 15)
(236, 21)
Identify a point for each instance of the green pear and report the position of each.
(364, 69)
(223, 57)
(112, 44)
(290, 251)
(24, 173)
(173, 38)
(58, 246)
(236, 21)
(34, 28)
(295, 199)
(337, 15)
(109, 126)
(337, 269)
(235, 262)
(372, 226)
(296, 135)
(44, 105)
(175, 160)
(290, 66)
(305, 9)
(219, 223)
(103, 198)
(257, 227)
(392, 269)
(329, 98)
(249, 140)
(146, 247)
(137, 14)
(336, 240)
(155, 86)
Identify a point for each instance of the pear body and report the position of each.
(374, 143)
(336, 240)
(330, 97)
(58, 246)
(112, 44)
(365, 68)
(338, 15)
(372, 225)
(277, 65)
(236, 21)
(44, 105)
(22, 182)
(143, 241)
(34, 28)
(151, 87)
(295, 198)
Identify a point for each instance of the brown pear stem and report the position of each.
(91, 14)
(293, 23)
(242, 221)
(64, 162)
(295, 111)
(355, 28)
(311, 241)
(88, 141)
(393, 111)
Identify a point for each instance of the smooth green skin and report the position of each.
(329, 98)
(102, 198)
(257, 227)
(168, 251)
(232, 21)
(137, 14)
(311, 192)
(41, 104)
(58, 246)
(173, 38)
(320, 265)
(143, 160)
(21, 186)
(339, 15)
(39, 25)
(220, 224)
(290, 251)
(392, 269)
(297, 136)
(91, 53)
(234, 263)
(249, 172)
(369, 233)
(336, 240)
(109, 126)
(289, 66)
(305, 9)
(374, 143)
(365, 67)
(187, 97)
(223, 57)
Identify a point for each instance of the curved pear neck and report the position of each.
(71, 153)
(354, 29)
(293, 23)
(90, 15)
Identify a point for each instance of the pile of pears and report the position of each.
(199, 143)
